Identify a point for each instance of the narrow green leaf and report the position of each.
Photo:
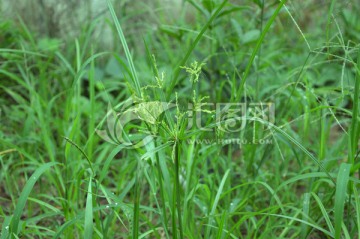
(105, 168)
(83, 153)
(192, 47)
(21, 52)
(355, 128)
(5, 228)
(221, 226)
(340, 196)
(324, 212)
(42, 203)
(25, 194)
(299, 145)
(134, 76)
(216, 201)
(313, 225)
(151, 151)
(258, 45)
(88, 226)
(136, 213)
(357, 207)
(306, 209)
(330, 13)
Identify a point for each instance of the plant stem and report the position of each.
(177, 187)
(161, 191)
(354, 128)
(137, 200)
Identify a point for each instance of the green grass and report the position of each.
(68, 112)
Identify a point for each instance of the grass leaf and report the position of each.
(340, 197)
(88, 225)
(19, 209)
(134, 76)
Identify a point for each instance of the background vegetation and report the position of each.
(60, 179)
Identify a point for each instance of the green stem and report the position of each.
(354, 129)
(177, 188)
(258, 45)
(161, 191)
(174, 80)
(137, 200)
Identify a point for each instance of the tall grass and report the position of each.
(294, 176)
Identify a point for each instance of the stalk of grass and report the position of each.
(311, 224)
(357, 207)
(159, 162)
(299, 145)
(134, 76)
(5, 228)
(82, 67)
(83, 153)
(151, 178)
(323, 135)
(221, 231)
(88, 209)
(136, 83)
(199, 8)
(354, 133)
(154, 151)
(354, 128)
(91, 125)
(288, 227)
(14, 225)
(105, 169)
(340, 197)
(67, 174)
(75, 219)
(177, 189)
(258, 46)
(215, 204)
(330, 14)
(162, 189)
(136, 213)
(88, 224)
(190, 169)
(173, 214)
(22, 51)
(183, 61)
(306, 210)
(324, 213)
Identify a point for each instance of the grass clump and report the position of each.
(238, 120)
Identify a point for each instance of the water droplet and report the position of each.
(116, 204)
(7, 228)
(34, 177)
(107, 206)
(231, 204)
